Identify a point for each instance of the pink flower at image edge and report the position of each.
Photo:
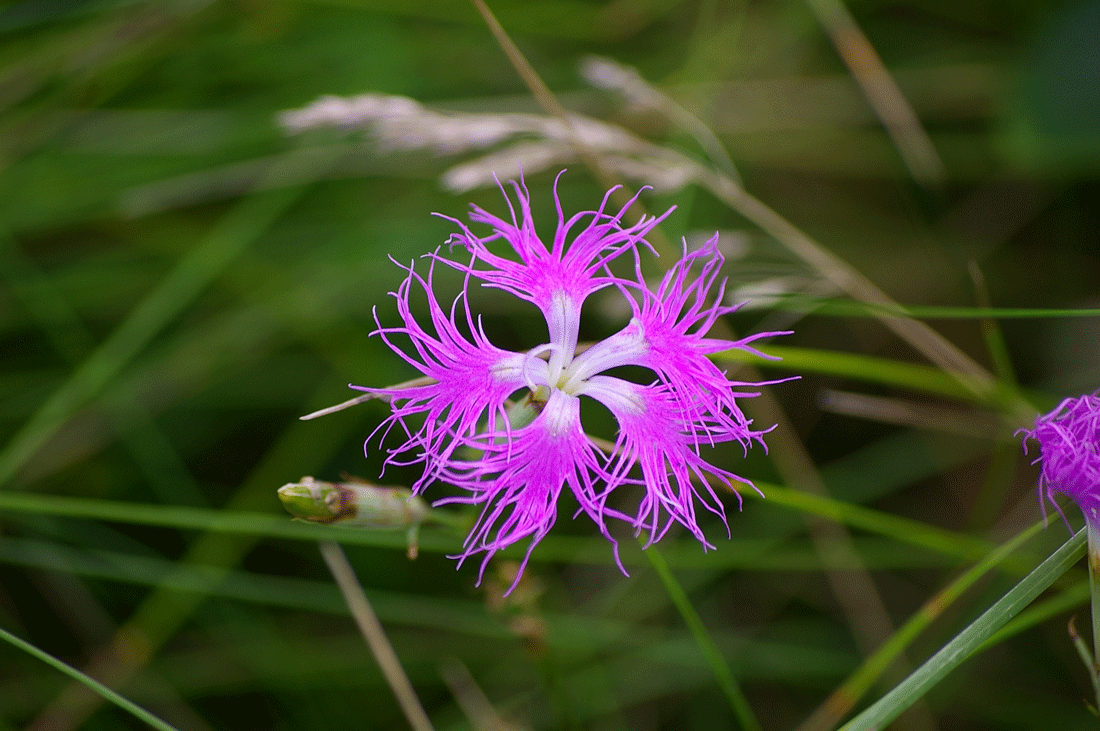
(1069, 448)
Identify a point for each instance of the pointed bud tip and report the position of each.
(307, 499)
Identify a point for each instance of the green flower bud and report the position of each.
(356, 504)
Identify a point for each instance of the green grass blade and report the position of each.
(272, 525)
(868, 368)
(229, 522)
(1071, 598)
(239, 228)
(955, 652)
(846, 695)
(851, 308)
(91, 683)
(904, 530)
(718, 665)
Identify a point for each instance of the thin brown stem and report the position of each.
(375, 635)
(550, 104)
(882, 93)
(934, 346)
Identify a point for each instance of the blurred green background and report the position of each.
(180, 280)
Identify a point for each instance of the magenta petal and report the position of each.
(455, 419)
(472, 380)
(655, 437)
(519, 482)
(1069, 446)
(574, 265)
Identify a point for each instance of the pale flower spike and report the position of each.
(513, 460)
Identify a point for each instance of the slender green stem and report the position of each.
(718, 665)
(951, 655)
(1093, 530)
(89, 682)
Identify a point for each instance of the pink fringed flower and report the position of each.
(514, 459)
(1069, 448)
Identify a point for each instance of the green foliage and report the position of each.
(180, 280)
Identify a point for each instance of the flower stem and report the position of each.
(1086, 658)
(1093, 530)
(713, 655)
(375, 635)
